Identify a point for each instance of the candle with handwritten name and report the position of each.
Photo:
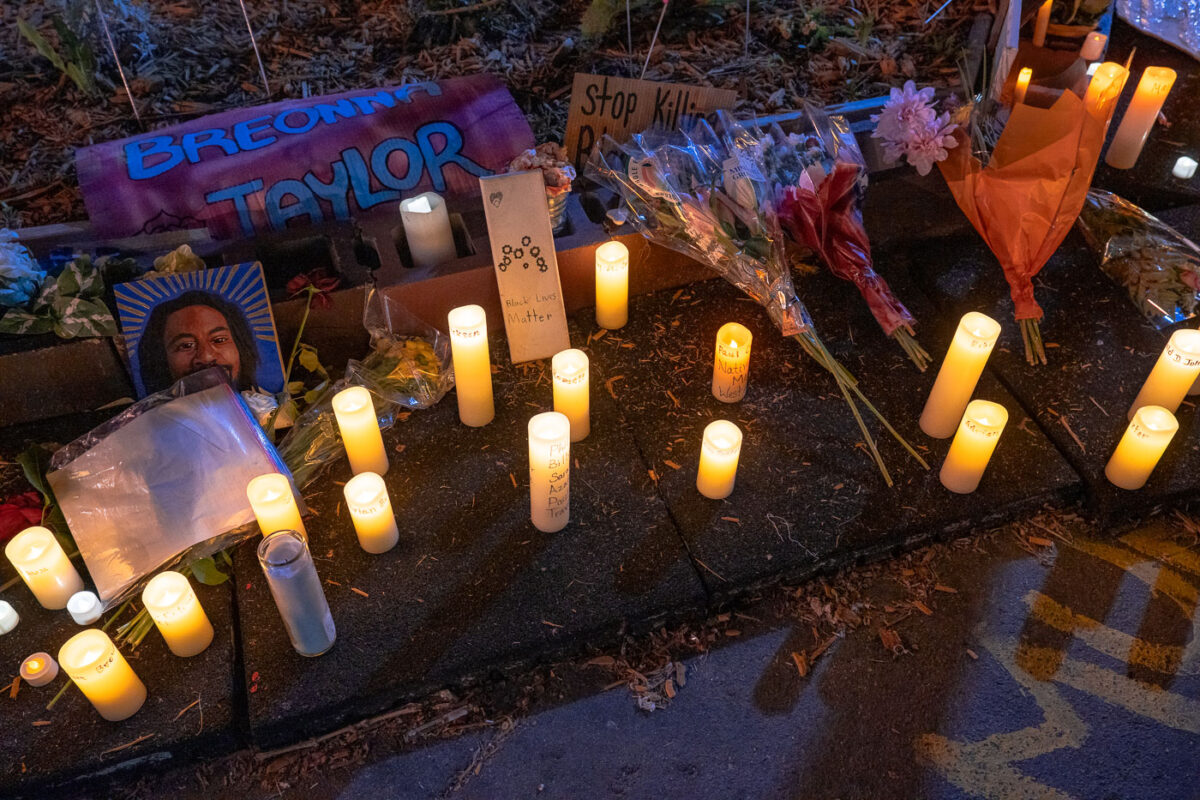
(731, 366)
(472, 365)
(1140, 117)
(973, 445)
(371, 511)
(177, 613)
(102, 674)
(956, 380)
(550, 471)
(1176, 370)
(41, 562)
(1140, 449)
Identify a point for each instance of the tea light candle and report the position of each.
(39, 669)
(355, 412)
(427, 229)
(1139, 118)
(571, 379)
(103, 675)
(550, 471)
(1093, 46)
(1138, 452)
(1173, 375)
(731, 367)
(968, 353)
(84, 608)
(972, 448)
(371, 511)
(274, 504)
(472, 365)
(612, 285)
(8, 617)
(719, 452)
(45, 568)
(1023, 78)
(1042, 24)
(1184, 168)
(177, 614)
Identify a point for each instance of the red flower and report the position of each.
(317, 283)
(18, 513)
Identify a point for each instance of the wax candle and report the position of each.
(371, 511)
(1184, 168)
(1173, 375)
(1093, 46)
(973, 444)
(427, 229)
(177, 614)
(571, 390)
(355, 413)
(8, 617)
(102, 674)
(1139, 118)
(39, 669)
(731, 367)
(274, 504)
(955, 383)
(45, 568)
(550, 471)
(472, 365)
(719, 452)
(612, 285)
(1023, 78)
(1042, 23)
(288, 566)
(84, 608)
(1092, 67)
(1105, 87)
(1138, 452)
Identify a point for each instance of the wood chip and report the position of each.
(600, 661)
(1040, 541)
(551, 624)
(669, 688)
(16, 687)
(41, 723)
(608, 384)
(890, 640)
(672, 464)
(924, 609)
(941, 587)
(974, 656)
(120, 747)
(732, 519)
(1078, 441)
(512, 477)
(801, 662)
(359, 592)
(187, 708)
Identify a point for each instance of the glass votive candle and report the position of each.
(103, 675)
(177, 614)
(371, 511)
(296, 588)
(44, 566)
(39, 669)
(84, 608)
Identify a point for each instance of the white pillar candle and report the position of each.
(1184, 168)
(472, 365)
(1093, 46)
(612, 285)
(84, 608)
(1092, 67)
(355, 412)
(956, 380)
(1138, 452)
(103, 674)
(39, 669)
(371, 511)
(1023, 79)
(1042, 23)
(274, 504)
(177, 614)
(1173, 375)
(8, 617)
(1139, 118)
(719, 452)
(45, 568)
(973, 445)
(571, 392)
(550, 471)
(1105, 87)
(731, 365)
(427, 230)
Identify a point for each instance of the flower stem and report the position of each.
(287, 371)
(1031, 334)
(912, 348)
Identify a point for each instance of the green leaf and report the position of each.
(41, 45)
(75, 317)
(22, 322)
(309, 360)
(35, 463)
(207, 572)
(295, 387)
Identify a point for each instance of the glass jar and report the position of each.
(292, 576)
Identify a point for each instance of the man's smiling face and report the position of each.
(198, 337)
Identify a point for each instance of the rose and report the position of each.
(18, 513)
(318, 282)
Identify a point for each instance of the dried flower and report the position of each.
(318, 283)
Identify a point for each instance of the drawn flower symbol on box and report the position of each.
(526, 241)
(542, 265)
(535, 251)
(507, 249)
(505, 263)
(519, 252)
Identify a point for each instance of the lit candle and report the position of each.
(274, 504)
(1092, 67)
(968, 353)
(1093, 46)
(550, 471)
(1139, 118)
(39, 669)
(472, 365)
(731, 367)
(719, 452)
(103, 674)
(1184, 168)
(972, 448)
(427, 230)
(371, 511)
(571, 379)
(1138, 452)
(1108, 80)
(45, 568)
(356, 419)
(1023, 78)
(1043, 22)
(612, 285)
(84, 608)
(8, 617)
(177, 613)
(1173, 375)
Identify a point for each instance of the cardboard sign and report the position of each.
(301, 162)
(619, 107)
(526, 267)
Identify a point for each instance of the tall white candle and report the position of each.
(1139, 451)
(973, 445)
(274, 504)
(84, 608)
(102, 674)
(472, 365)
(550, 471)
(571, 394)
(1093, 46)
(8, 617)
(355, 413)
(956, 380)
(1042, 23)
(1139, 118)
(45, 568)
(427, 230)
(371, 511)
(612, 285)
(177, 614)
(1173, 375)
(719, 452)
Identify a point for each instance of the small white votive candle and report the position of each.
(177, 614)
(719, 453)
(371, 511)
(571, 396)
(1093, 46)
(103, 674)
(427, 230)
(274, 504)
(39, 669)
(84, 608)
(8, 617)
(44, 566)
(355, 412)
(550, 471)
(1092, 67)
(1185, 168)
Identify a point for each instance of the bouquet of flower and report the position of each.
(707, 198)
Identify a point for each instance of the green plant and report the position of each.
(70, 305)
(77, 60)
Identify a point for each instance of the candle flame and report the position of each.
(420, 205)
(90, 656)
(270, 496)
(35, 665)
(35, 551)
(733, 343)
